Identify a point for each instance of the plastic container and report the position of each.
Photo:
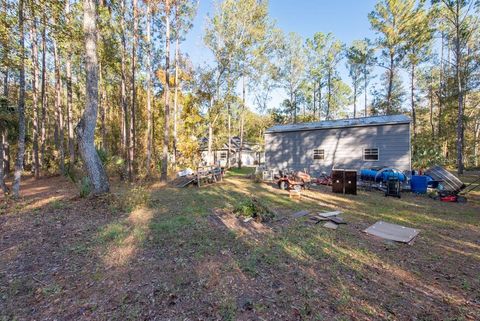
(382, 175)
(368, 174)
(419, 184)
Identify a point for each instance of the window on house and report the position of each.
(370, 154)
(318, 154)
(223, 155)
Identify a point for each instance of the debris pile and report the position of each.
(331, 220)
(252, 208)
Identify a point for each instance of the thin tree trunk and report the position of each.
(314, 99)
(210, 143)
(125, 136)
(175, 99)
(43, 136)
(149, 84)
(71, 141)
(365, 81)
(414, 112)
(458, 66)
(3, 186)
(432, 125)
(58, 108)
(319, 100)
(229, 163)
(101, 105)
(210, 134)
(242, 124)
(390, 85)
(3, 139)
(329, 94)
(476, 140)
(355, 100)
(86, 127)
(101, 98)
(166, 134)
(6, 159)
(132, 129)
(21, 106)
(293, 113)
(34, 44)
(68, 67)
(440, 89)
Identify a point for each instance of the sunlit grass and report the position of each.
(169, 220)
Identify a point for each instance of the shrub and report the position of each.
(134, 198)
(84, 186)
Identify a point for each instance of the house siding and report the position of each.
(343, 148)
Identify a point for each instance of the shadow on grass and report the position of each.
(163, 258)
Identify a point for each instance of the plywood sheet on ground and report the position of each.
(328, 214)
(392, 232)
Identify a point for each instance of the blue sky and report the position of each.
(346, 19)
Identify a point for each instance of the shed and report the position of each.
(355, 143)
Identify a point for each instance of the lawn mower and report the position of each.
(296, 181)
(449, 187)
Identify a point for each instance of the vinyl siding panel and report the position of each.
(343, 148)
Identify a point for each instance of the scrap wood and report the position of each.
(319, 218)
(392, 232)
(328, 214)
(331, 225)
(337, 220)
(182, 181)
(300, 213)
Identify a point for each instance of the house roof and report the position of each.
(342, 123)
(234, 145)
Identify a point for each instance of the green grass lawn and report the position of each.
(157, 252)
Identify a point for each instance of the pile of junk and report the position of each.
(436, 182)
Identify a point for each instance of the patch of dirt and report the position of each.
(227, 220)
(67, 258)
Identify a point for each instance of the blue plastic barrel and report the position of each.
(419, 184)
(374, 175)
(368, 174)
(392, 173)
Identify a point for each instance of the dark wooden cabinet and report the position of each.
(337, 181)
(344, 181)
(350, 179)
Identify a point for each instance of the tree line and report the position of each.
(105, 85)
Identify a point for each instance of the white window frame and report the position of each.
(223, 154)
(371, 160)
(320, 152)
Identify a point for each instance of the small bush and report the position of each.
(103, 155)
(73, 172)
(252, 207)
(134, 198)
(85, 187)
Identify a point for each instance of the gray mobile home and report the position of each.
(368, 142)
